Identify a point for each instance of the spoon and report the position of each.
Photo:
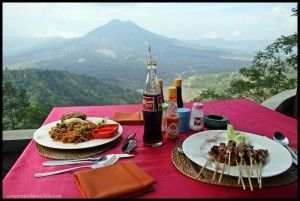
(282, 139)
(110, 161)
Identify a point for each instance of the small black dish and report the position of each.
(213, 121)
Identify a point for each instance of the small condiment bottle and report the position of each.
(178, 83)
(160, 81)
(197, 118)
(172, 130)
(164, 117)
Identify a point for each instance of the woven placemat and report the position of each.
(183, 164)
(65, 154)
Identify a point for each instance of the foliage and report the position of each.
(15, 105)
(49, 88)
(35, 116)
(267, 76)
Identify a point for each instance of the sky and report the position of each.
(185, 21)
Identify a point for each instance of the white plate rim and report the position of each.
(42, 137)
(282, 163)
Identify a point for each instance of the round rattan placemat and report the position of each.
(65, 154)
(183, 164)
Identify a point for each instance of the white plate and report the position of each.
(42, 137)
(196, 148)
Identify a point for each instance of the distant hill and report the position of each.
(117, 50)
(247, 46)
(18, 45)
(62, 88)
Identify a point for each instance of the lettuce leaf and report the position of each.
(236, 135)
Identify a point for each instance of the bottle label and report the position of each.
(172, 130)
(198, 121)
(152, 103)
(159, 103)
(148, 103)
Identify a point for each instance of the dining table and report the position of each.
(244, 114)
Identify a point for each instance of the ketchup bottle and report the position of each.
(172, 130)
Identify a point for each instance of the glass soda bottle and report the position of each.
(160, 81)
(152, 107)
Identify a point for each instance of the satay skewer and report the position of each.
(214, 175)
(240, 169)
(257, 176)
(207, 162)
(260, 172)
(230, 146)
(262, 154)
(251, 166)
(223, 168)
(241, 150)
(240, 175)
(248, 175)
(229, 162)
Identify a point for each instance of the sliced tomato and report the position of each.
(115, 126)
(103, 134)
(105, 131)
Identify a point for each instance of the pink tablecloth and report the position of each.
(244, 115)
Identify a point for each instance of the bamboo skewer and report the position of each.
(222, 170)
(208, 160)
(240, 167)
(260, 172)
(248, 175)
(251, 166)
(216, 168)
(240, 175)
(229, 163)
(257, 176)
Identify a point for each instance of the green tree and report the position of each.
(36, 115)
(15, 104)
(17, 111)
(268, 75)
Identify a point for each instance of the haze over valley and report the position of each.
(117, 51)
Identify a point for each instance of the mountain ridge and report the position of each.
(62, 88)
(106, 51)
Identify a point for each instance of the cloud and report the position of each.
(176, 20)
(211, 35)
(57, 33)
(236, 33)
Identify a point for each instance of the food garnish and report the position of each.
(75, 128)
(105, 131)
(236, 135)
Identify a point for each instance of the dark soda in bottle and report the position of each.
(152, 107)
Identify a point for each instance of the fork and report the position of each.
(84, 160)
(110, 161)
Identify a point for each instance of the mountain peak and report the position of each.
(116, 26)
(120, 23)
(115, 21)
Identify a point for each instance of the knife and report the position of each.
(84, 160)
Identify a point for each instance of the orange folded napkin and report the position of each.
(128, 117)
(123, 179)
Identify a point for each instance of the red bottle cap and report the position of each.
(197, 105)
